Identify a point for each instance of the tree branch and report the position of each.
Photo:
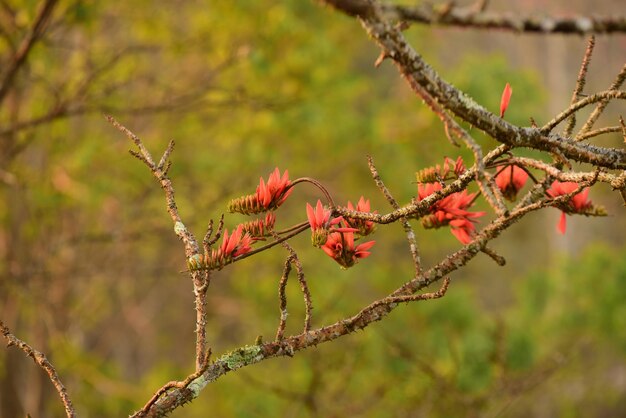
(475, 16)
(19, 58)
(40, 359)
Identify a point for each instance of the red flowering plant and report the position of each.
(336, 235)
(234, 245)
(269, 195)
(363, 226)
(451, 210)
(321, 221)
(259, 229)
(450, 169)
(576, 204)
(340, 247)
(443, 200)
(510, 181)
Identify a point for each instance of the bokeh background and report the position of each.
(89, 263)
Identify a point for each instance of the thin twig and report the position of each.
(575, 177)
(166, 155)
(207, 242)
(412, 298)
(410, 233)
(594, 98)
(142, 149)
(201, 281)
(319, 185)
(598, 132)
(580, 83)
(21, 54)
(304, 287)
(593, 117)
(40, 359)
(282, 297)
(200, 278)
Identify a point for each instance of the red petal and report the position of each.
(310, 216)
(234, 240)
(224, 241)
(461, 235)
(506, 97)
(329, 251)
(320, 217)
(365, 246)
(562, 223)
(362, 254)
(363, 205)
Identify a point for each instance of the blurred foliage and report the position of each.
(89, 264)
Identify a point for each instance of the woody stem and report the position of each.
(320, 186)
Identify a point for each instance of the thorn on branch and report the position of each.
(501, 261)
(207, 242)
(166, 156)
(383, 56)
(167, 168)
(139, 157)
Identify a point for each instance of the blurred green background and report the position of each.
(89, 264)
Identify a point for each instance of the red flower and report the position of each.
(440, 173)
(506, 97)
(237, 244)
(259, 228)
(273, 193)
(577, 204)
(511, 180)
(340, 247)
(451, 210)
(363, 226)
(319, 219)
(268, 196)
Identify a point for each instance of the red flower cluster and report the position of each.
(320, 221)
(273, 193)
(511, 180)
(237, 244)
(363, 226)
(441, 173)
(259, 228)
(451, 210)
(340, 247)
(577, 204)
(268, 196)
(336, 239)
